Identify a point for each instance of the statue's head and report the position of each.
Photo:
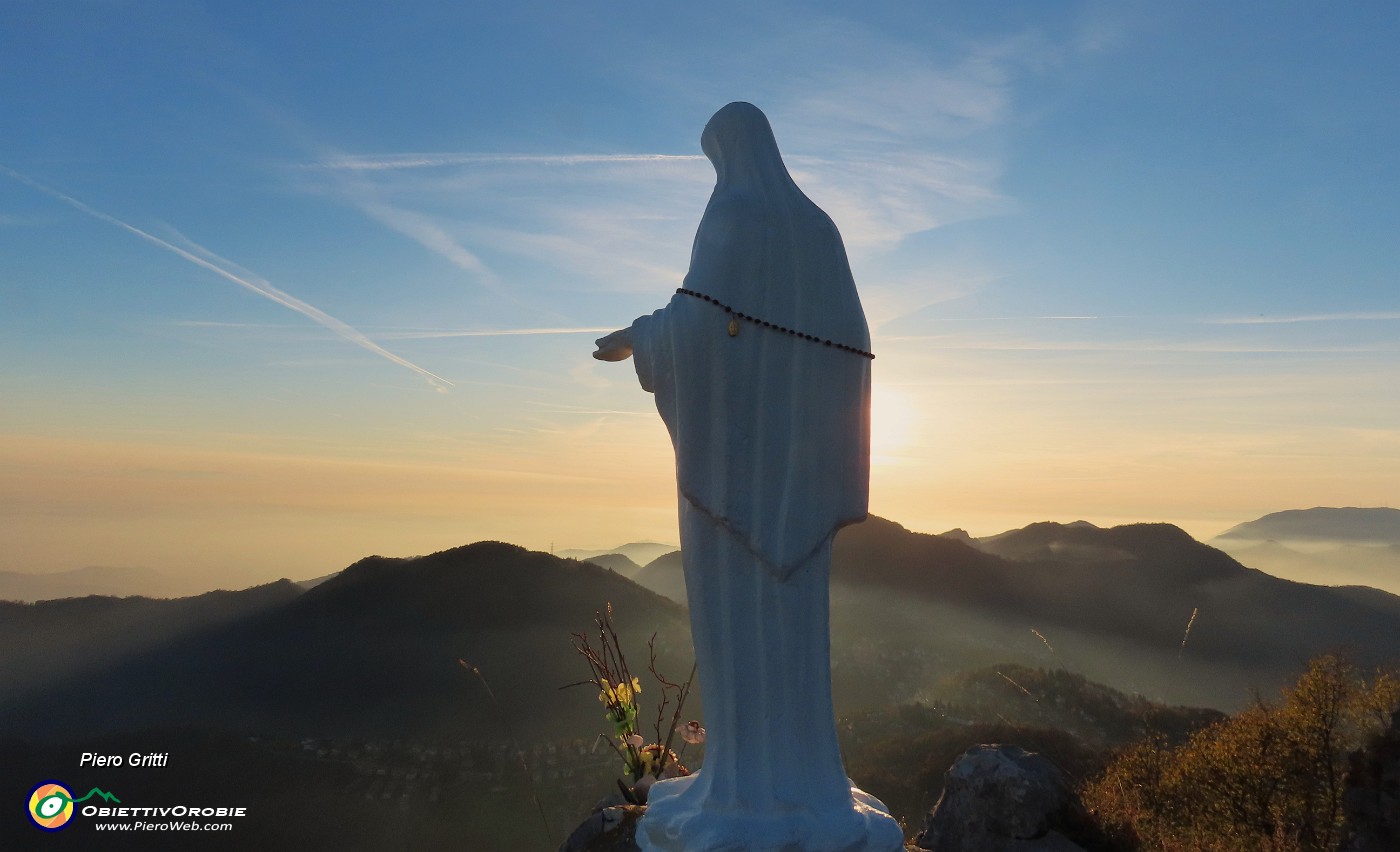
(739, 142)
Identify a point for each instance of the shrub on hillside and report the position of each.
(1268, 778)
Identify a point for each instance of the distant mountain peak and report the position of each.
(1157, 530)
(1044, 532)
(639, 552)
(1347, 524)
(115, 581)
(478, 547)
(615, 562)
(1159, 552)
(486, 582)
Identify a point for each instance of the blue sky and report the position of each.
(284, 284)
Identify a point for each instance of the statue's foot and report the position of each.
(679, 820)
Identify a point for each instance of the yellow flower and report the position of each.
(623, 694)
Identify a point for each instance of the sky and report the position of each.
(284, 285)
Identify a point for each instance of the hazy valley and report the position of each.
(1066, 635)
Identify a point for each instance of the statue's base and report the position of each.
(677, 822)
(613, 827)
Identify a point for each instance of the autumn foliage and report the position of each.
(1269, 778)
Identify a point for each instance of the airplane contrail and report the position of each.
(254, 283)
(382, 162)
(501, 332)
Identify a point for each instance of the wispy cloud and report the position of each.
(891, 139)
(879, 198)
(584, 410)
(219, 324)
(902, 139)
(1359, 316)
(429, 234)
(499, 332)
(11, 220)
(202, 257)
(401, 334)
(609, 218)
(1018, 319)
(948, 342)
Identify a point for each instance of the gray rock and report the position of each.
(1001, 798)
(609, 829)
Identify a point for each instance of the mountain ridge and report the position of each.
(374, 650)
(91, 580)
(1377, 525)
(1331, 546)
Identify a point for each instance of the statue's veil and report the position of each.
(795, 269)
(771, 430)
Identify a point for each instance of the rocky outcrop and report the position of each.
(610, 828)
(1372, 799)
(1001, 798)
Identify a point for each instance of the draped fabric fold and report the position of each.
(772, 430)
(772, 439)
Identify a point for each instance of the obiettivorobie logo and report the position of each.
(51, 804)
(52, 807)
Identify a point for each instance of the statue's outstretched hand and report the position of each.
(615, 347)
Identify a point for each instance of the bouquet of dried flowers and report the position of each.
(618, 690)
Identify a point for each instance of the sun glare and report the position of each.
(892, 415)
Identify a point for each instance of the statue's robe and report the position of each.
(771, 433)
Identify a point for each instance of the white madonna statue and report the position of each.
(760, 369)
